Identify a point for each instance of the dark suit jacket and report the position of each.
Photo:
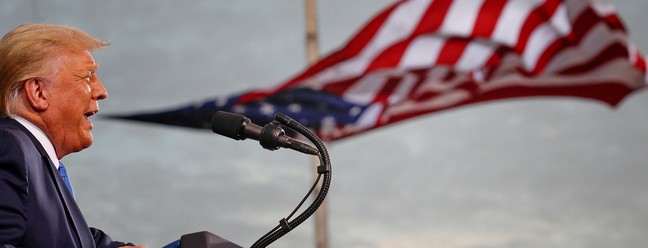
(36, 209)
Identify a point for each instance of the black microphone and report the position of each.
(271, 136)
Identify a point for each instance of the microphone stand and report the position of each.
(323, 170)
(268, 140)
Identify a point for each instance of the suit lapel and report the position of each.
(73, 214)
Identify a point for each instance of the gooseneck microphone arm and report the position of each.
(272, 137)
(323, 170)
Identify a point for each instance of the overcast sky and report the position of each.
(541, 172)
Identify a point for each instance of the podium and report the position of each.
(205, 240)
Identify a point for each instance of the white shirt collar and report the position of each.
(41, 137)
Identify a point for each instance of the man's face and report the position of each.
(73, 93)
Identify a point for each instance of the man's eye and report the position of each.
(89, 76)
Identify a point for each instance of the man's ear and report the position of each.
(36, 94)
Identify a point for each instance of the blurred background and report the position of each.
(531, 172)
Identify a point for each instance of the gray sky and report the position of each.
(541, 172)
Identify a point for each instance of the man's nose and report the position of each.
(99, 91)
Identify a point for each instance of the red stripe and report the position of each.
(493, 63)
(352, 48)
(385, 93)
(420, 76)
(434, 17)
(448, 79)
(583, 24)
(390, 57)
(612, 52)
(487, 18)
(640, 63)
(536, 18)
(614, 22)
(608, 92)
(549, 53)
(452, 51)
(496, 57)
(588, 19)
(388, 88)
(252, 96)
(339, 87)
(430, 22)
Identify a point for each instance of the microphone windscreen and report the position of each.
(229, 124)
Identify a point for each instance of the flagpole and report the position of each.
(312, 45)
(312, 50)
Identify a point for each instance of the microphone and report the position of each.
(271, 136)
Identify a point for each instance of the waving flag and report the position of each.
(422, 56)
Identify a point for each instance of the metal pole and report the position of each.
(312, 49)
(311, 33)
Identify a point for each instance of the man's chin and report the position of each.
(86, 142)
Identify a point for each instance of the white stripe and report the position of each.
(422, 52)
(597, 39)
(560, 21)
(508, 28)
(645, 74)
(447, 99)
(616, 70)
(403, 89)
(575, 9)
(434, 81)
(399, 25)
(369, 117)
(545, 35)
(365, 89)
(461, 17)
(632, 51)
(475, 56)
(602, 8)
(538, 43)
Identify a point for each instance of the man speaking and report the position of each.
(48, 90)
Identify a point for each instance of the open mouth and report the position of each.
(90, 113)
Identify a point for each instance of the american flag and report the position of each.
(421, 56)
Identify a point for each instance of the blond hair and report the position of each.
(26, 50)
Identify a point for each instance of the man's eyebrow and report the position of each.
(92, 68)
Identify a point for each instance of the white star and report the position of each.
(328, 122)
(267, 109)
(198, 104)
(355, 111)
(294, 107)
(238, 109)
(220, 101)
